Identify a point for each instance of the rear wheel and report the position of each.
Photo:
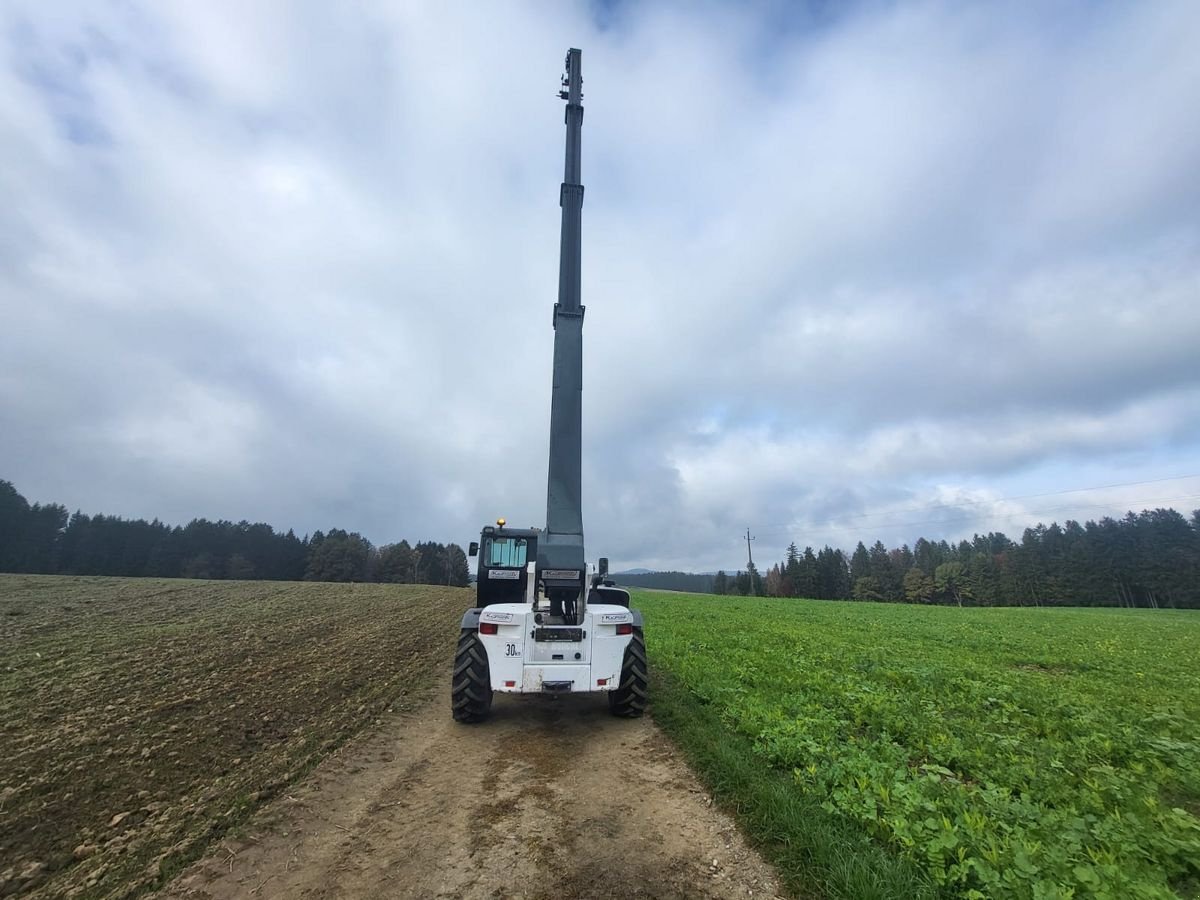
(471, 687)
(629, 699)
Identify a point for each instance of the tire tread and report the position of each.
(471, 684)
(629, 699)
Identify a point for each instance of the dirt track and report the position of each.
(551, 798)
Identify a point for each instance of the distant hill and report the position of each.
(666, 581)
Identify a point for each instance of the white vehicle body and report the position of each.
(525, 657)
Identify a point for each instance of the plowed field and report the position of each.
(140, 720)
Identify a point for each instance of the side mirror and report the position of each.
(474, 549)
(603, 566)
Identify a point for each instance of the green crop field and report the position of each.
(142, 719)
(880, 750)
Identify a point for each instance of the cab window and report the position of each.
(505, 552)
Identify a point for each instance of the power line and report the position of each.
(1027, 513)
(959, 504)
(1024, 514)
(1101, 487)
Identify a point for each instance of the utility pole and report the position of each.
(750, 555)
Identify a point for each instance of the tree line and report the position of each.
(46, 539)
(1147, 559)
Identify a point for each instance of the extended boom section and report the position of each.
(542, 623)
(561, 554)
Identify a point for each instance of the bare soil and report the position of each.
(550, 798)
(141, 720)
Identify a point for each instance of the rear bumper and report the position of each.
(558, 679)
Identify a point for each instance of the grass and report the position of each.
(141, 719)
(877, 750)
(818, 854)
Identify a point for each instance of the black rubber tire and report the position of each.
(629, 699)
(471, 686)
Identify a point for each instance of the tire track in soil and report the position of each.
(550, 798)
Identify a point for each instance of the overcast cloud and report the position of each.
(867, 271)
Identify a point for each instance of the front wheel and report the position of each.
(629, 699)
(471, 687)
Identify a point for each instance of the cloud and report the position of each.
(294, 265)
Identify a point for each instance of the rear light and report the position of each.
(488, 628)
(510, 684)
(625, 628)
(600, 682)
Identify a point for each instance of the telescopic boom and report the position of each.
(561, 548)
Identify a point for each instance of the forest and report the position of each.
(46, 539)
(1149, 559)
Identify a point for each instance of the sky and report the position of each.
(862, 271)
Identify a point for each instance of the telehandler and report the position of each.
(544, 622)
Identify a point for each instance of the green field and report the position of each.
(143, 719)
(883, 750)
